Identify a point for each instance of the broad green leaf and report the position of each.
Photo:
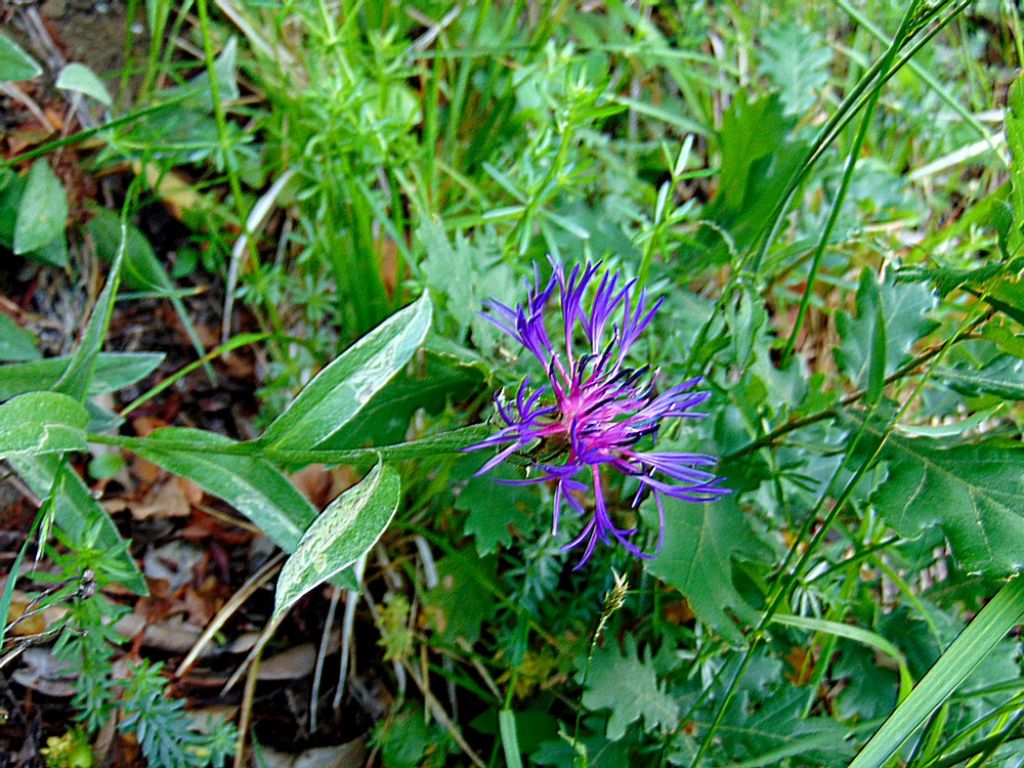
(991, 625)
(114, 371)
(903, 309)
(77, 378)
(760, 152)
(1004, 378)
(15, 64)
(15, 342)
(974, 493)
(346, 530)
(436, 381)
(701, 543)
(341, 389)
(495, 508)
(77, 513)
(628, 686)
(250, 484)
(777, 728)
(42, 422)
(42, 210)
(78, 77)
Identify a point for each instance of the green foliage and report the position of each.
(15, 64)
(345, 531)
(797, 61)
(330, 163)
(628, 686)
(973, 492)
(697, 558)
(42, 215)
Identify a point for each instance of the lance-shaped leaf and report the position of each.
(346, 530)
(250, 484)
(701, 543)
(42, 422)
(975, 493)
(78, 376)
(77, 513)
(114, 371)
(341, 389)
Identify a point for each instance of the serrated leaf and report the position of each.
(15, 342)
(78, 77)
(42, 210)
(1003, 378)
(342, 534)
(775, 729)
(250, 484)
(78, 513)
(114, 371)
(628, 686)
(341, 389)
(903, 309)
(701, 543)
(15, 64)
(974, 493)
(760, 152)
(494, 507)
(797, 60)
(42, 422)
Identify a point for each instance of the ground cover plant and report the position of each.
(511, 383)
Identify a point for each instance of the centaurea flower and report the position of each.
(595, 412)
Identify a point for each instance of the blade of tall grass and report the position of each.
(971, 646)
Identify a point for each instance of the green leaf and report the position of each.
(628, 686)
(141, 270)
(494, 508)
(797, 61)
(1015, 141)
(903, 310)
(341, 389)
(462, 600)
(984, 633)
(759, 155)
(342, 534)
(1003, 378)
(766, 733)
(15, 64)
(974, 493)
(42, 422)
(436, 381)
(114, 371)
(78, 77)
(15, 342)
(77, 378)
(856, 634)
(42, 211)
(701, 543)
(77, 513)
(250, 484)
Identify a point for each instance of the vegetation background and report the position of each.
(205, 203)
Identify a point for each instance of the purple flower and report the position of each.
(595, 416)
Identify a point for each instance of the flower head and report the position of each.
(595, 416)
